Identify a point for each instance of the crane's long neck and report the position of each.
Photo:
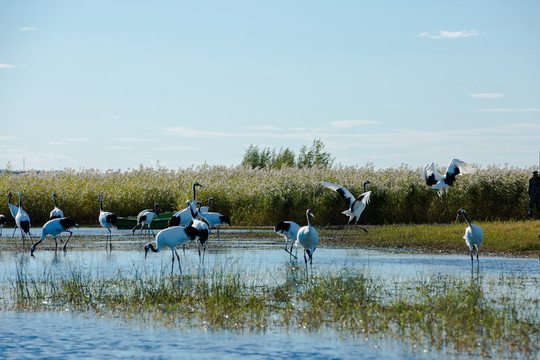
(100, 204)
(54, 200)
(154, 249)
(308, 219)
(365, 187)
(194, 197)
(467, 219)
(193, 212)
(20, 200)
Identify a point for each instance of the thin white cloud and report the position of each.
(174, 148)
(488, 95)
(55, 143)
(445, 34)
(7, 66)
(352, 123)
(114, 147)
(115, 117)
(76, 139)
(497, 110)
(29, 28)
(265, 127)
(507, 110)
(7, 138)
(132, 139)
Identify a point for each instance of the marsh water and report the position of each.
(66, 334)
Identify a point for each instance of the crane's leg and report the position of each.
(110, 239)
(178, 258)
(290, 252)
(356, 225)
(346, 226)
(305, 259)
(70, 233)
(22, 235)
(172, 263)
(14, 229)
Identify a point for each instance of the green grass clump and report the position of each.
(500, 237)
(442, 312)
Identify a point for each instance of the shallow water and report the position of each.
(68, 335)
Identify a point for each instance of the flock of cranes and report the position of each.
(195, 224)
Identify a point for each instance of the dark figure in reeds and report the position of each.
(3, 222)
(534, 195)
(473, 235)
(54, 227)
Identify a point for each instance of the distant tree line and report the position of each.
(272, 159)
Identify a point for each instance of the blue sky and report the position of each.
(116, 84)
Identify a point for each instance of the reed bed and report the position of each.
(262, 197)
(443, 313)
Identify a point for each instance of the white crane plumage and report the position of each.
(22, 219)
(108, 220)
(215, 219)
(473, 234)
(183, 217)
(56, 212)
(54, 227)
(308, 238)
(145, 217)
(13, 209)
(199, 222)
(356, 205)
(439, 182)
(172, 237)
(289, 230)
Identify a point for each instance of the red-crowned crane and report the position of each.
(145, 217)
(356, 205)
(215, 219)
(108, 220)
(13, 209)
(289, 230)
(200, 223)
(22, 219)
(183, 217)
(473, 234)
(54, 227)
(308, 238)
(172, 237)
(439, 182)
(56, 212)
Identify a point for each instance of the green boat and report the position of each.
(161, 221)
